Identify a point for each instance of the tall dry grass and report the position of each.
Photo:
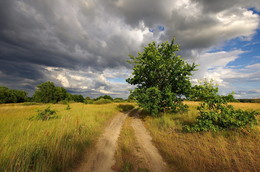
(236, 150)
(54, 145)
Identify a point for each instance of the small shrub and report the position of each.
(45, 114)
(102, 101)
(89, 101)
(68, 107)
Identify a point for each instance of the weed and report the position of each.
(68, 107)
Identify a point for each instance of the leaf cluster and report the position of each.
(45, 114)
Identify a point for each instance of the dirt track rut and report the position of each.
(148, 150)
(101, 159)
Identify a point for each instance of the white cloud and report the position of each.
(64, 81)
(90, 83)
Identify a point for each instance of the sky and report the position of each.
(83, 45)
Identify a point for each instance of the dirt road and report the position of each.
(148, 151)
(101, 159)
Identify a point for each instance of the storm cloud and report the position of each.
(83, 44)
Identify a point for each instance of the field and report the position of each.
(236, 150)
(54, 145)
(60, 144)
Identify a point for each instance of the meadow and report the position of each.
(235, 150)
(59, 144)
(53, 145)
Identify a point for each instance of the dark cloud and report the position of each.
(93, 36)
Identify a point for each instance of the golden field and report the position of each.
(53, 145)
(236, 150)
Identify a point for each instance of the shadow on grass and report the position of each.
(125, 107)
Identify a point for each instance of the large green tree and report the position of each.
(161, 78)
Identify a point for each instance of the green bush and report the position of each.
(68, 107)
(216, 114)
(125, 107)
(102, 101)
(154, 101)
(89, 101)
(226, 117)
(45, 114)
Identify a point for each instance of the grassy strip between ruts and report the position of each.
(53, 145)
(127, 159)
(236, 150)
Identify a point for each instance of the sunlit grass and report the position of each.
(54, 145)
(236, 150)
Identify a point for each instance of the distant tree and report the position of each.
(88, 100)
(102, 101)
(12, 96)
(21, 96)
(45, 93)
(230, 97)
(104, 97)
(118, 100)
(60, 94)
(78, 98)
(161, 77)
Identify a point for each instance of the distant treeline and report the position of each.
(47, 92)
(249, 100)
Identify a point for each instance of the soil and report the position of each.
(147, 151)
(101, 159)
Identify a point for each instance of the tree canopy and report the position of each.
(161, 77)
(12, 96)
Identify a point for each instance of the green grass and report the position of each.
(126, 155)
(53, 145)
(236, 150)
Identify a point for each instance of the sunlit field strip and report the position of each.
(236, 150)
(54, 145)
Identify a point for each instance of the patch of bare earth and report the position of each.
(146, 150)
(101, 159)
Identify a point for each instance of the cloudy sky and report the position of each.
(83, 45)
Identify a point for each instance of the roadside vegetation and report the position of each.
(49, 145)
(162, 80)
(226, 150)
(128, 154)
(126, 160)
(209, 135)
